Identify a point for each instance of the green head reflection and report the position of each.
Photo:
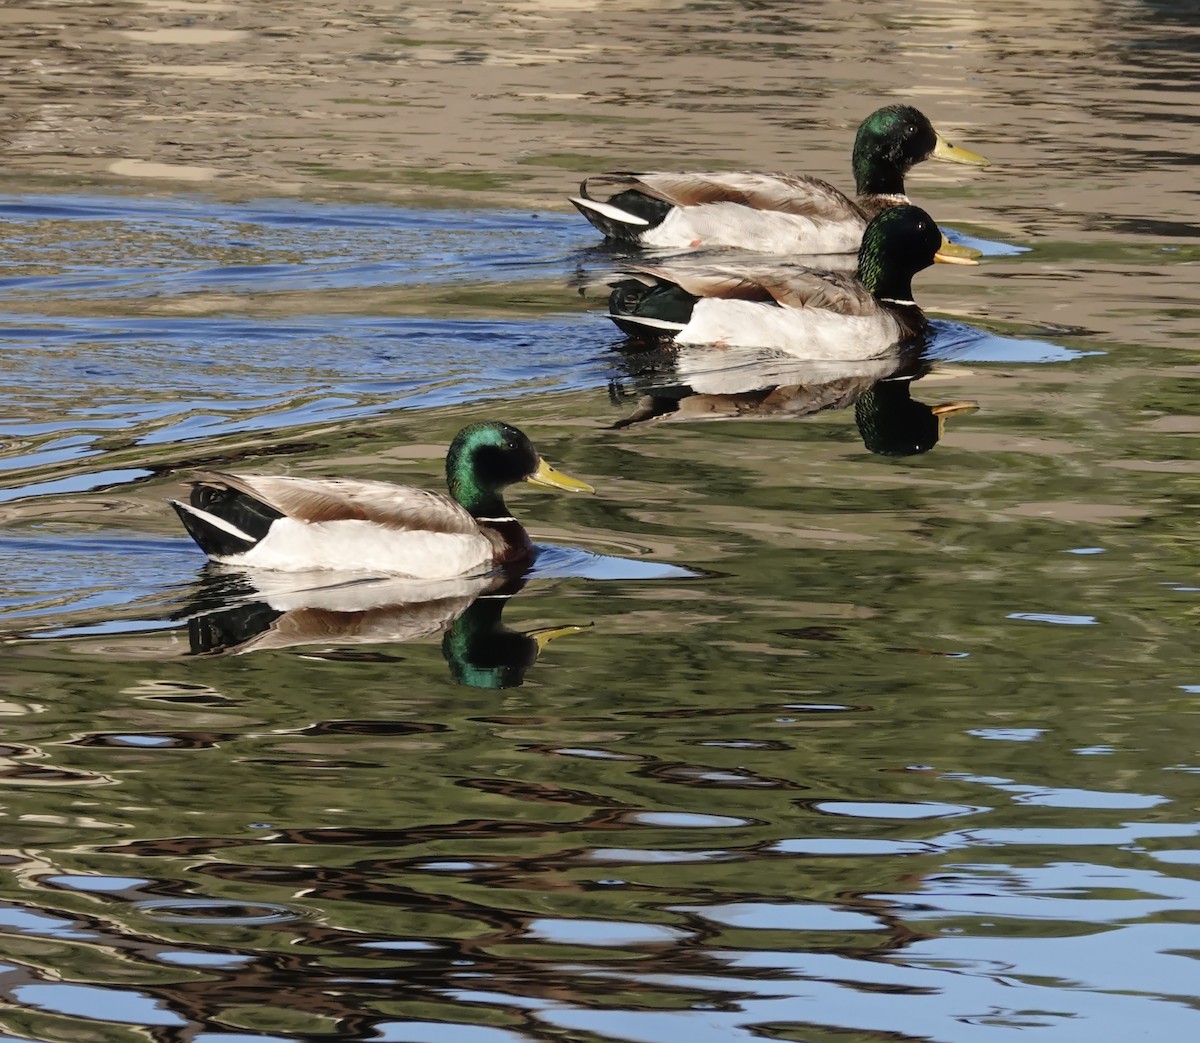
(893, 423)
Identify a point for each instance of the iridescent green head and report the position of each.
(899, 242)
(891, 141)
(486, 457)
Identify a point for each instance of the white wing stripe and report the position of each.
(607, 210)
(215, 522)
(641, 320)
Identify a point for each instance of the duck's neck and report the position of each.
(876, 176)
(883, 280)
(484, 502)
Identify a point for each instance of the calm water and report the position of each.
(828, 745)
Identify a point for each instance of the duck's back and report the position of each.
(767, 213)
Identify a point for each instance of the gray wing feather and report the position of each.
(785, 193)
(345, 499)
(788, 285)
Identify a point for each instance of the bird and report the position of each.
(806, 312)
(298, 524)
(770, 213)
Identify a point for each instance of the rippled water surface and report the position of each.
(810, 725)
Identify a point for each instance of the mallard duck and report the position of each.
(770, 213)
(296, 524)
(809, 313)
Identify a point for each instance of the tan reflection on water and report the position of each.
(520, 96)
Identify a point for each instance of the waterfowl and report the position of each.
(810, 313)
(297, 524)
(770, 213)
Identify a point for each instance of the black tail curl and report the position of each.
(663, 301)
(240, 510)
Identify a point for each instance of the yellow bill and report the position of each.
(546, 477)
(953, 154)
(946, 409)
(952, 253)
(953, 408)
(545, 635)
(958, 250)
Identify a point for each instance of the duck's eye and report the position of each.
(911, 128)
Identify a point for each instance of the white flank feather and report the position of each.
(364, 546)
(614, 213)
(810, 333)
(764, 231)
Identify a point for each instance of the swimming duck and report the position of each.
(296, 524)
(771, 213)
(809, 313)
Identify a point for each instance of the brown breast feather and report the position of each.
(509, 540)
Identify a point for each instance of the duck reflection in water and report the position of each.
(697, 382)
(262, 610)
